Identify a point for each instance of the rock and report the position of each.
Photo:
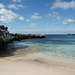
(23, 36)
(70, 34)
(73, 34)
(5, 36)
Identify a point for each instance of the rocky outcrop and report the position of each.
(23, 36)
(6, 37)
(70, 34)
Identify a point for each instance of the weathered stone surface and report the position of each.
(23, 36)
(6, 37)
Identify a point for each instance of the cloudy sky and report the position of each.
(38, 16)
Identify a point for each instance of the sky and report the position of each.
(38, 16)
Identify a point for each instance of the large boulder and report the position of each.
(5, 36)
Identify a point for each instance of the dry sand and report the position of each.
(22, 66)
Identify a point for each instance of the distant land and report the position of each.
(70, 34)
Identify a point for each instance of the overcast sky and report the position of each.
(38, 16)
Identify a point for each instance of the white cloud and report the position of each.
(36, 16)
(33, 25)
(9, 28)
(12, 6)
(68, 21)
(58, 18)
(54, 12)
(7, 16)
(32, 31)
(1, 5)
(15, 6)
(63, 4)
(16, 0)
(36, 13)
(27, 20)
(21, 6)
(21, 18)
(54, 15)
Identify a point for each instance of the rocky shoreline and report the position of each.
(70, 34)
(6, 37)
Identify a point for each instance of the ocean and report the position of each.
(61, 47)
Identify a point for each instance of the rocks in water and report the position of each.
(23, 36)
(70, 34)
(6, 37)
(73, 34)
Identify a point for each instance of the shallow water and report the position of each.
(54, 46)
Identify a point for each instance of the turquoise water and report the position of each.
(53, 46)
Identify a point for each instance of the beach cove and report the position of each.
(51, 55)
(37, 37)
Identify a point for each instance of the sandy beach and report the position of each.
(37, 37)
(24, 66)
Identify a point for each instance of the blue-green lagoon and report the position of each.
(53, 47)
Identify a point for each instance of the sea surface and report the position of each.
(60, 47)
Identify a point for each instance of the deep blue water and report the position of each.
(53, 46)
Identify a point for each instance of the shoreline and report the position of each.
(32, 65)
